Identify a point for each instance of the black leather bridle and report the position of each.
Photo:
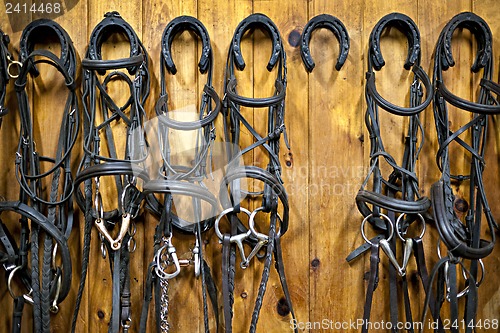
(462, 240)
(45, 196)
(102, 116)
(398, 193)
(273, 193)
(174, 180)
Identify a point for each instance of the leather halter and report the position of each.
(401, 182)
(126, 170)
(274, 192)
(54, 284)
(336, 27)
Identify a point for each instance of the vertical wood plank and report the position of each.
(489, 307)
(221, 19)
(335, 127)
(463, 57)
(12, 25)
(324, 119)
(290, 18)
(48, 92)
(440, 15)
(185, 303)
(99, 281)
(393, 82)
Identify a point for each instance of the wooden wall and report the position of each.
(323, 170)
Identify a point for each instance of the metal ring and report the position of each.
(478, 283)
(225, 212)
(124, 193)
(131, 245)
(99, 205)
(13, 62)
(465, 291)
(9, 282)
(438, 248)
(54, 253)
(132, 229)
(391, 227)
(251, 224)
(397, 226)
(54, 308)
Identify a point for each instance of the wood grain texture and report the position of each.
(323, 170)
(48, 94)
(393, 82)
(184, 95)
(289, 17)
(489, 307)
(336, 108)
(221, 19)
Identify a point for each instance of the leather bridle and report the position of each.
(273, 192)
(102, 116)
(174, 180)
(462, 240)
(398, 193)
(50, 210)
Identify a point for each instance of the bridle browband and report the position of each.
(101, 112)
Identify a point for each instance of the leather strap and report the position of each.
(372, 284)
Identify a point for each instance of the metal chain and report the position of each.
(164, 326)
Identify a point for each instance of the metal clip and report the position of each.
(171, 258)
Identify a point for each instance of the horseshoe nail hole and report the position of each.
(244, 295)
(100, 314)
(282, 307)
(288, 163)
(294, 38)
